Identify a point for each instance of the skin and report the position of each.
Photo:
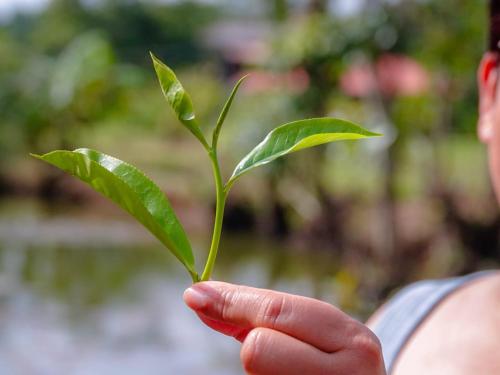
(469, 319)
(288, 334)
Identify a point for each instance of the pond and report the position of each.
(83, 295)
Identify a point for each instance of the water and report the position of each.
(84, 295)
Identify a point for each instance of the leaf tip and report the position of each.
(156, 61)
(241, 79)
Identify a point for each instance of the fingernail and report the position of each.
(196, 297)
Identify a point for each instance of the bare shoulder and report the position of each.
(461, 336)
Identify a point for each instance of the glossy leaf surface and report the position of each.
(296, 136)
(131, 190)
(177, 97)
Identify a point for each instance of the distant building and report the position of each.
(390, 75)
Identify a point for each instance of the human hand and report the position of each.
(286, 334)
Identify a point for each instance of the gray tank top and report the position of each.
(407, 310)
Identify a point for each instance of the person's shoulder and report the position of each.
(433, 291)
(421, 295)
(460, 335)
(489, 285)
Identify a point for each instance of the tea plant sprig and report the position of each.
(128, 187)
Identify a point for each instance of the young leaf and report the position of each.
(177, 97)
(295, 136)
(131, 190)
(225, 110)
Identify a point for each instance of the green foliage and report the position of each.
(225, 110)
(177, 97)
(296, 136)
(129, 188)
(139, 196)
(85, 63)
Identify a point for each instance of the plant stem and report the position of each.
(219, 214)
(194, 276)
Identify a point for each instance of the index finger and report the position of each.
(315, 322)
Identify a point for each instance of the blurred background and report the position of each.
(86, 290)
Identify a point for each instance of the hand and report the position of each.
(286, 334)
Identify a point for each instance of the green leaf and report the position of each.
(225, 110)
(131, 190)
(296, 136)
(177, 97)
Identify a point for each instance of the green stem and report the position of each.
(219, 214)
(194, 276)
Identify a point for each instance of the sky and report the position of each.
(9, 7)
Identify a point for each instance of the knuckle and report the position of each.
(273, 309)
(227, 302)
(251, 350)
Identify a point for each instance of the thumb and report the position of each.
(202, 299)
(241, 308)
